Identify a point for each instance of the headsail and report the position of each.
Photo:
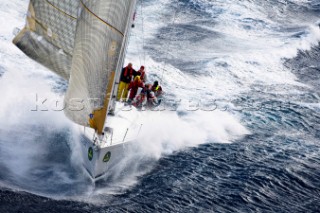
(82, 41)
(48, 36)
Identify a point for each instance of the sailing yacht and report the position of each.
(84, 42)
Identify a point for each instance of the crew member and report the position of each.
(157, 89)
(152, 100)
(125, 79)
(133, 87)
(142, 73)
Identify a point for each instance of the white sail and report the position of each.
(49, 34)
(84, 42)
(101, 30)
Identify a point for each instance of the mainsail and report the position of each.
(84, 42)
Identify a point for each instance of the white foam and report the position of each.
(163, 132)
(166, 132)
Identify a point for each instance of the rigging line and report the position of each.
(103, 21)
(140, 53)
(167, 44)
(142, 32)
(63, 12)
(143, 44)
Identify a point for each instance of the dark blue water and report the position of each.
(275, 168)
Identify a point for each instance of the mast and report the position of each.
(123, 52)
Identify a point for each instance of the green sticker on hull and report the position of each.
(90, 154)
(107, 157)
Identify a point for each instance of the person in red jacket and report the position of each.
(133, 87)
(126, 77)
(142, 73)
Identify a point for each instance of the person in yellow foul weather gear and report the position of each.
(157, 89)
(125, 79)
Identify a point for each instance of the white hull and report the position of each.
(101, 160)
(101, 153)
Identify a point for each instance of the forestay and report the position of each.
(84, 42)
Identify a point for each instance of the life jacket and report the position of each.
(156, 89)
(142, 75)
(126, 72)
